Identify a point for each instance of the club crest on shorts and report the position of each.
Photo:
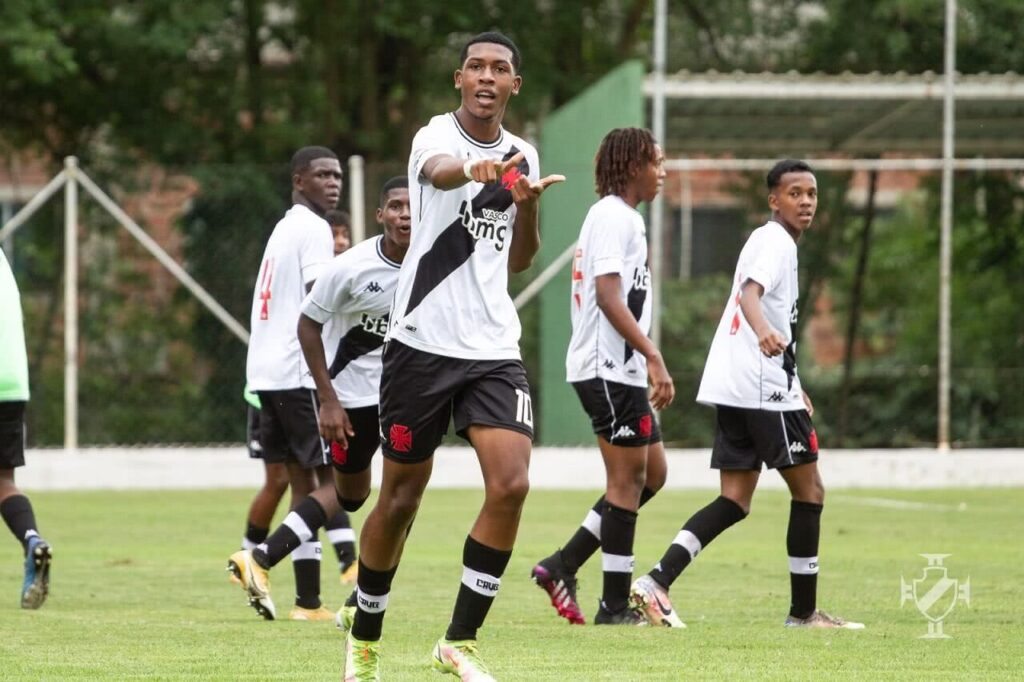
(400, 438)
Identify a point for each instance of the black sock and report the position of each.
(587, 539)
(618, 527)
(298, 527)
(18, 515)
(373, 588)
(696, 534)
(341, 535)
(306, 565)
(254, 535)
(802, 546)
(482, 568)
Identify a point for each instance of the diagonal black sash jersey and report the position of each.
(352, 299)
(613, 241)
(452, 296)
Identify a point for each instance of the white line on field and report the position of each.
(887, 503)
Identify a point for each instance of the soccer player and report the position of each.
(763, 416)
(341, 227)
(298, 250)
(610, 363)
(453, 351)
(15, 507)
(351, 300)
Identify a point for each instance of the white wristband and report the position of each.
(467, 169)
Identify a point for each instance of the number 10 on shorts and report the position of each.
(524, 408)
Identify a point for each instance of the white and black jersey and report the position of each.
(352, 299)
(452, 297)
(613, 240)
(737, 373)
(298, 249)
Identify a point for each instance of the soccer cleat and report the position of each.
(37, 573)
(552, 577)
(319, 613)
(820, 619)
(626, 616)
(345, 617)
(255, 581)
(349, 573)
(362, 660)
(460, 658)
(651, 600)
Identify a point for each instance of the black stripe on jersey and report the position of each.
(472, 140)
(635, 302)
(455, 244)
(356, 342)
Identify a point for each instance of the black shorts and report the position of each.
(252, 432)
(746, 438)
(12, 434)
(421, 392)
(289, 428)
(620, 413)
(356, 458)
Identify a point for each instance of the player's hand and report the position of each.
(334, 423)
(489, 170)
(808, 404)
(663, 390)
(524, 191)
(771, 342)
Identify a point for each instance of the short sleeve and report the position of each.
(329, 294)
(316, 250)
(765, 261)
(429, 142)
(610, 234)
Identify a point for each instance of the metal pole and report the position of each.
(32, 206)
(658, 205)
(685, 228)
(946, 241)
(71, 304)
(356, 197)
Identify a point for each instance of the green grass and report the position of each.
(139, 591)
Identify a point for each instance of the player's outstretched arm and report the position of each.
(526, 233)
(446, 172)
(770, 341)
(334, 423)
(608, 290)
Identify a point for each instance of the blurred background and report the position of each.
(187, 113)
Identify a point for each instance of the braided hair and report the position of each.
(622, 155)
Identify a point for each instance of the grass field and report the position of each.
(139, 591)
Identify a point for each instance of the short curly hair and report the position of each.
(622, 155)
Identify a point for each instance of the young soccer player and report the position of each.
(763, 415)
(15, 507)
(610, 363)
(348, 309)
(453, 351)
(341, 227)
(298, 250)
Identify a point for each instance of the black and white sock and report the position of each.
(306, 564)
(587, 539)
(343, 537)
(482, 568)
(254, 535)
(696, 534)
(19, 517)
(618, 528)
(298, 527)
(802, 546)
(372, 590)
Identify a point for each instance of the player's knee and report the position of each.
(350, 504)
(400, 509)
(510, 492)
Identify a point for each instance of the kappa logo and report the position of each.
(374, 288)
(400, 437)
(797, 447)
(624, 432)
(609, 364)
(776, 397)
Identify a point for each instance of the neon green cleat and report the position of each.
(461, 659)
(255, 580)
(345, 617)
(362, 660)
